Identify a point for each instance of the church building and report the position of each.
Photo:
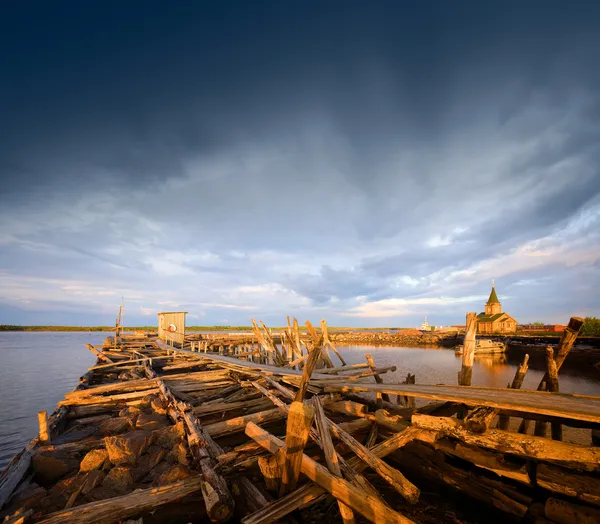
(493, 320)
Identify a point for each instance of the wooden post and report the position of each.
(468, 357)
(380, 396)
(328, 342)
(403, 400)
(43, 422)
(330, 454)
(270, 467)
(551, 385)
(300, 417)
(504, 420)
(307, 372)
(567, 340)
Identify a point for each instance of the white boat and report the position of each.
(485, 347)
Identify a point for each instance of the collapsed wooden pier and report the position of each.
(256, 428)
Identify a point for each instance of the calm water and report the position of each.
(37, 369)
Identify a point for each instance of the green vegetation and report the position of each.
(591, 327)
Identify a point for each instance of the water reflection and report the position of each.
(441, 366)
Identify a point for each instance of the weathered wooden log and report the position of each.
(504, 420)
(237, 424)
(223, 407)
(307, 372)
(327, 341)
(86, 378)
(514, 468)
(217, 498)
(106, 399)
(118, 508)
(370, 507)
(272, 469)
(349, 427)
(300, 417)
(480, 419)
(569, 335)
(99, 354)
(335, 371)
(423, 461)
(404, 400)
(392, 476)
(563, 512)
(310, 493)
(541, 427)
(331, 456)
(15, 471)
(372, 437)
(468, 356)
(579, 457)
(248, 495)
(582, 486)
(347, 407)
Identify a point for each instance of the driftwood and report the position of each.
(370, 507)
(118, 508)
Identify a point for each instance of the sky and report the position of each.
(370, 163)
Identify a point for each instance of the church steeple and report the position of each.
(493, 306)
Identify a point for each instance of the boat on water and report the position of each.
(485, 347)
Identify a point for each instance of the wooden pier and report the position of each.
(267, 427)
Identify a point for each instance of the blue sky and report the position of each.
(367, 164)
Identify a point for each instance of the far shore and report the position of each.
(8, 327)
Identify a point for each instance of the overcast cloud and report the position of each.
(365, 164)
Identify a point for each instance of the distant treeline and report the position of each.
(10, 327)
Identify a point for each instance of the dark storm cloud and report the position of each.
(277, 156)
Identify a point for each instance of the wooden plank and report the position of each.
(370, 507)
(564, 405)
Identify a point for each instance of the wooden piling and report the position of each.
(43, 423)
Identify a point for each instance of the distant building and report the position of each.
(493, 320)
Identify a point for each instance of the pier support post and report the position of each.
(43, 422)
(468, 357)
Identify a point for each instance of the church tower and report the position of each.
(493, 306)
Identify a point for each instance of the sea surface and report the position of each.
(38, 368)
